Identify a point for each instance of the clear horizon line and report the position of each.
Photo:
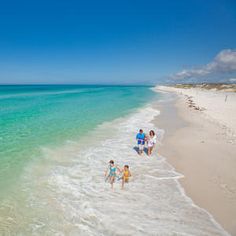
(92, 84)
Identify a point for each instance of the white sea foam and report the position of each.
(70, 197)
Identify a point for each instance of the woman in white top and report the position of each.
(152, 139)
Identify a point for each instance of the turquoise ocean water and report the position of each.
(36, 116)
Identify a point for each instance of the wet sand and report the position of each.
(202, 151)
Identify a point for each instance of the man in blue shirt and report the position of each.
(140, 137)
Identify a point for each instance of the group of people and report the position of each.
(113, 171)
(150, 139)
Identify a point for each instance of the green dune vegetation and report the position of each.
(209, 86)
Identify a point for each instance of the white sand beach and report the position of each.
(217, 106)
(200, 143)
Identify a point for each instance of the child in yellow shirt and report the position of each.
(126, 174)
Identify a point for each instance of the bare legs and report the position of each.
(123, 182)
(112, 180)
(150, 151)
(140, 149)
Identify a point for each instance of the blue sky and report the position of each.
(112, 42)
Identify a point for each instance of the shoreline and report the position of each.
(66, 181)
(199, 149)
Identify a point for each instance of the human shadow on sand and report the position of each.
(145, 150)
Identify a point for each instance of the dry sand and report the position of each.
(218, 106)
(205, 152)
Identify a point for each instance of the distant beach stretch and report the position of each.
(201, 144)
